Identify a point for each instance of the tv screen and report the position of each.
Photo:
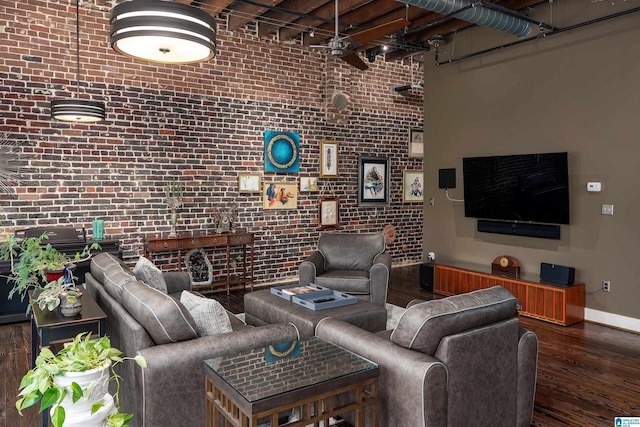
(523, 187)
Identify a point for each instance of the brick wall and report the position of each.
(202, 124)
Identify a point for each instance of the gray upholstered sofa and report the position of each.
(458, 361)
(141, 319)
(355, 263)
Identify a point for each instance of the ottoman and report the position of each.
(264, 308)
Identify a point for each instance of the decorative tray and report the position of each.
(323, 299)
(288, 291)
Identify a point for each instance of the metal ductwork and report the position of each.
(475, 13)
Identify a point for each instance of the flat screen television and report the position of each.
(522, 187)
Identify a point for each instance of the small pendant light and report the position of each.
(163, 31)
(75, 109)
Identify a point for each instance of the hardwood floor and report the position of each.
(587, 373)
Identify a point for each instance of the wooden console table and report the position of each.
(196, 239)
(559, 304)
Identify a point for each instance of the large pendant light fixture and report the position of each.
(163, 31)
(75, 109)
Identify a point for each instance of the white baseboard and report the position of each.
(610, 319)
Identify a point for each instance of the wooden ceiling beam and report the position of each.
(243, 13)
(212, 7)
(326, 11)
(274, 20)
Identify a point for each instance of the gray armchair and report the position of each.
(354, 263)
(458, 361)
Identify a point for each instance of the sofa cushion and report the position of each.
(100, 263)
(423, 325)
(209, 315)
(115, 277)
(350, 251)
(146, 271)
(164, 318)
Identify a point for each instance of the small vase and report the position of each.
(174, 221)
(71, 305)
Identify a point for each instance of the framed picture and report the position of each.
(328, 213)
(412, 186)
(249, 183)
(281, 151)
(416, 143)
(308, 183)
(279, 195)
(328, 159)
(373, 181)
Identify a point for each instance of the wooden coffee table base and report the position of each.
(224, 409)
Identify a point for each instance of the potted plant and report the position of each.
(73, 384)
(34, 263)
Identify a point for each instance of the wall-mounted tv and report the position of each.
(522, 187)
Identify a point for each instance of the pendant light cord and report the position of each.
(78, 48)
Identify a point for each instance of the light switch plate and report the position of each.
(607, 209)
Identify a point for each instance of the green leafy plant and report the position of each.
(31, 259)
(82, 354)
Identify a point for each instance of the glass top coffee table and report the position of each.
(246, 390)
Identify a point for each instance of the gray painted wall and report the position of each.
(577, 92)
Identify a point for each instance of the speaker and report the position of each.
(557, 274)
(339, 100)
(426, 276)
(544, 231)
(447, 178)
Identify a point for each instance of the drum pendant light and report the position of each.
(163, 31)
(75, 109)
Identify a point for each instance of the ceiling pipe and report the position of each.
(538, 37)
(477, 14)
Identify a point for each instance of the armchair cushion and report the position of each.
(423, 325)
(163, 317)
(350, 281)
(341, 251)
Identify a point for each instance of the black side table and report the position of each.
(51, 326)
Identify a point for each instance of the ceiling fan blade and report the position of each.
(371, 34)
(355, 60)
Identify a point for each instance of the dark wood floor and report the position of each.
(587, 373)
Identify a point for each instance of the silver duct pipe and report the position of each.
(476, 14)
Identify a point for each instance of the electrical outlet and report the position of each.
(606, 285)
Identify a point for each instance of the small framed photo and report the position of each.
(279, 195)
(373, 181)
(249, 183)
(328, 213)
(328, 159)
(416, 143)
(412, 186)
(308, 184)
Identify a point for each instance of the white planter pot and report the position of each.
(87, 419)
(94, 384)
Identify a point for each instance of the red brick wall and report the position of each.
(202, 124)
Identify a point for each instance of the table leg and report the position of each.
(102, 327)
(34, 342)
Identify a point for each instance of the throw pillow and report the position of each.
(163, 317)
(146, 271)
(209, 315)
